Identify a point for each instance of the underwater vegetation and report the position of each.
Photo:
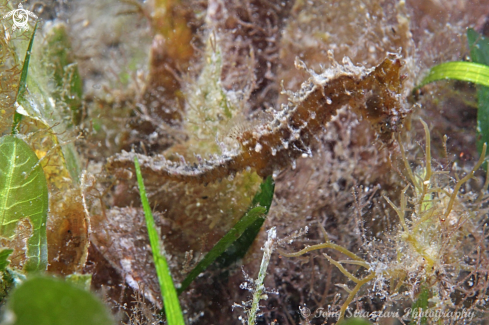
(211, 162)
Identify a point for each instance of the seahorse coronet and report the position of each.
(375, 94)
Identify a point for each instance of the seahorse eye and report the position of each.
(384, 127)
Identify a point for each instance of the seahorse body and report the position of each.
(375, 94)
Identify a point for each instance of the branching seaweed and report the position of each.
(427, 246)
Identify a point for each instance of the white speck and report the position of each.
(126, 244)
(258, 147)
(347, 61)
(126, 265)
(329, 101)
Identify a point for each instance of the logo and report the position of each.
(20, 17)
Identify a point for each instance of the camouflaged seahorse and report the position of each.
(373, 93)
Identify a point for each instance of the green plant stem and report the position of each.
(257, 295)
(170, 298)
(353, 293)
(321, 246)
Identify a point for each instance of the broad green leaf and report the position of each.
(237, 241)
(23, 195)
(172, 308)
(50, 301)
(4, 254)
(479, 52)
(464, 71)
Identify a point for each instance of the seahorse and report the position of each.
(374, 93)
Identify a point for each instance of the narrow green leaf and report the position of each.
(238, 239)
(265, 196)
(23, 81)
(479, 52)
(23, 195)
(170, 298)
(234, 233)
(50, 301)
(476, 72)
(25, 67)
(464, 71)
(239, 248)
(4, 254)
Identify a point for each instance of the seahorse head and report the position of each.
(384, 101)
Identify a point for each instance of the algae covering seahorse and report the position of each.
(375, 94)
